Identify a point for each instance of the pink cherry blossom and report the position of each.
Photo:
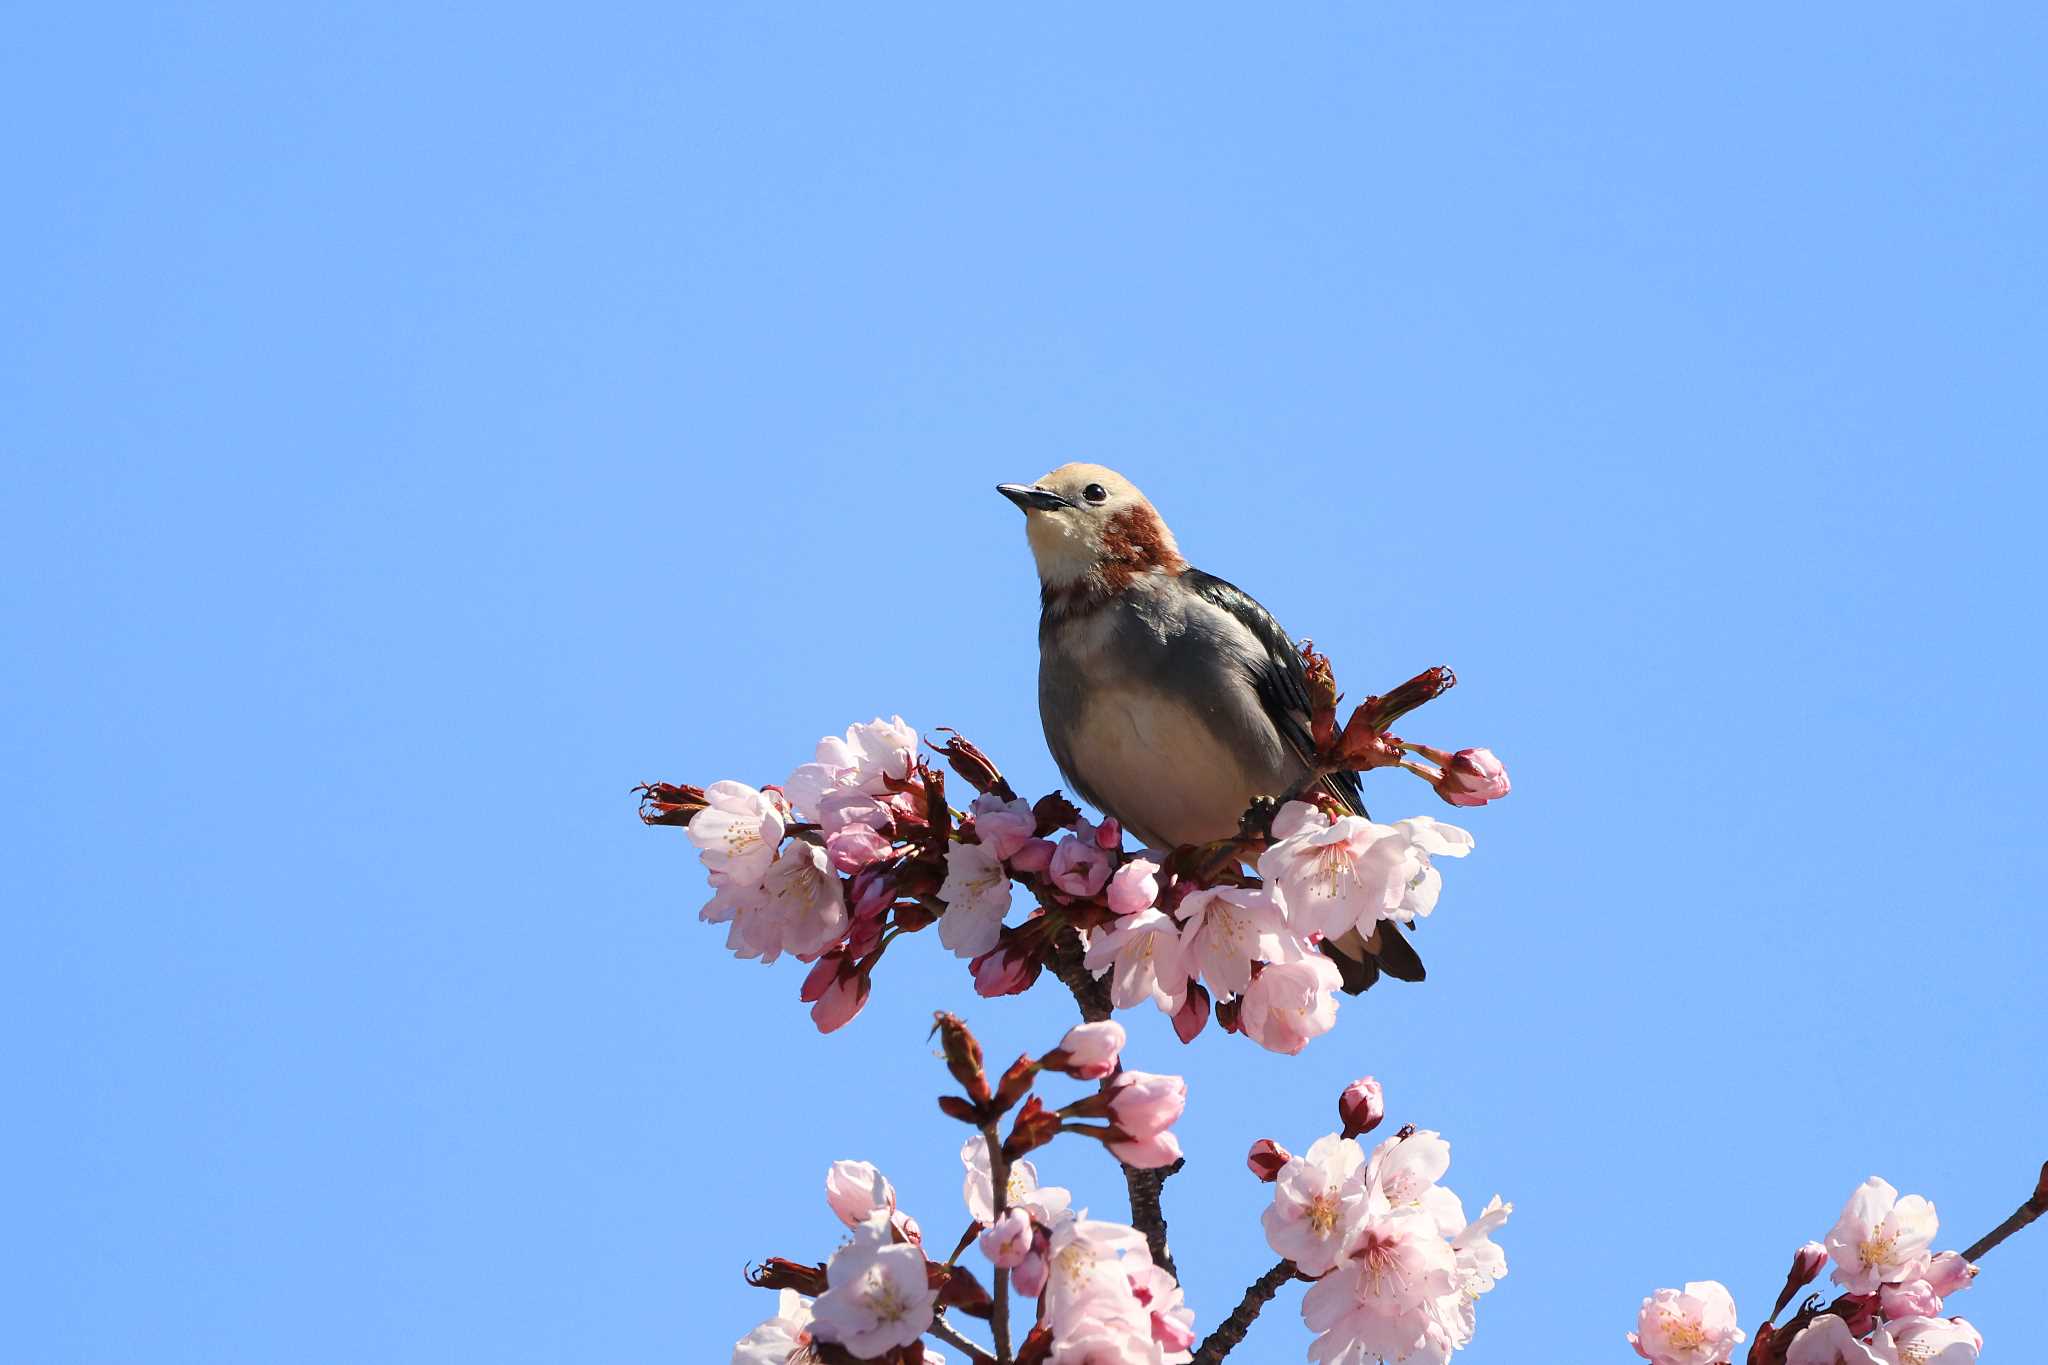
(1044, 1202)
(1141, 954)
(977, 896)
(1142, 1104)
(1473, 777)
(1289, 1003)
(1003, 826)
(1420, 881)
(1331, 876)
(1080, 866)
(877, 1297)
(1227, 930)
(862, 761)
(1826, 1340)
(1318, 1202)
(1147, 1153)
(737, 832)
(857, 1191)
(804, 900)
(1695, 1325)
(1091, 1050)
(1173, 1322)
(1379, 1302)
(1927, 1341)
(1134, 886)
(774, 1341)
(1880, 1238)
(1007, 1241)
(1913, 1298)
(1034, 856)
(856, 847)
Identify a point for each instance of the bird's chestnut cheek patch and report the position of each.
(1137, 539)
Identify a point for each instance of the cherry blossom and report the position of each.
(1880, 1237)
(1949, 1273)
(1080, 866)
(1007, 1241)
(862, 761)
(841, 1000)
(1826, 1340)
(1473, 777)
(977, 896)
(1227, 930)
(737, 832)
(1380, 1300)
(1695, 1325)
(1331, 876)
(1142, 956)
(1143, 1104)
(1318, 1202)
(1361, 1107)
(1089, 1052)
(1134, 887)
(1045, 1202)
(857, 1191)
(773, 1342)
(1481, 1265)
(1420, 883)
(803, 900)
(1927, 1341)
(877, 1296)
(1289, 1003)
(1147, 1153)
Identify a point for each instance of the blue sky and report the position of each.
(422, 425)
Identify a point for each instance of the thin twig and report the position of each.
(2026, 1213)
(946, 1332)
(1231, 1330)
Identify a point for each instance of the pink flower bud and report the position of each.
(1473, 777)
(844, 998)
(1078, 867)
(1149, 1153)
(1361, 1107)
(1144, 1105)
(1193, 1014)
(856, 1190)
(1266, 1159)
(1035, 855)
(1003, 971)
(1030, 1275)
(1949, 1273)
(1109, 834)
(855, 847)
(1913, 1299)
(1008, 1241)
(1806, 1263)
(821, 976)
(1134, 887)
(1089, 1051)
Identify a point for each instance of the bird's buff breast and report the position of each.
(1162, 768)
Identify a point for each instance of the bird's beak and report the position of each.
(1032, 499)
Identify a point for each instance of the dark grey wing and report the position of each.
(1282, 684)
(1281, 680)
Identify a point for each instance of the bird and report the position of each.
(1170, 699)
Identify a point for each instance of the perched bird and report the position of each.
(1170, 699)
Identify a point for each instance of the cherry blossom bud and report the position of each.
(1193, 1014)
(821, 976)
(1134, 887)
(1473, 777)
(1109, 834)
(856, 1190)
(1912, 1299)
(1030, 1275)
(1035, 1126)
(1266, 1159)
(1089, 1051)
(963, 1055)
(1008, 1242)
(844, 998)
(1015, 1083)
(1035, 855)
(1949, 1273)
(1004, 970)
(1079, 867)
(1807, 1262)
(1143, 1105)
(1148, 1153)
(1361, 1107)
(967, 759)
(855, 847)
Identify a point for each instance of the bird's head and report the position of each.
(1090, 525)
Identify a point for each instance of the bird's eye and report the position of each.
(1095, 492)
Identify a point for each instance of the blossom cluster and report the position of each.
(859, 846)
(1102, 1297)
(1398, 1268)
(1890, 1312)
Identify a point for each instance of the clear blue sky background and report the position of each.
(420, 426)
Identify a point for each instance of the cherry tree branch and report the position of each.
(946, 1332)
(1232, 1329)
(1091, 995)
(2036, 1205)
